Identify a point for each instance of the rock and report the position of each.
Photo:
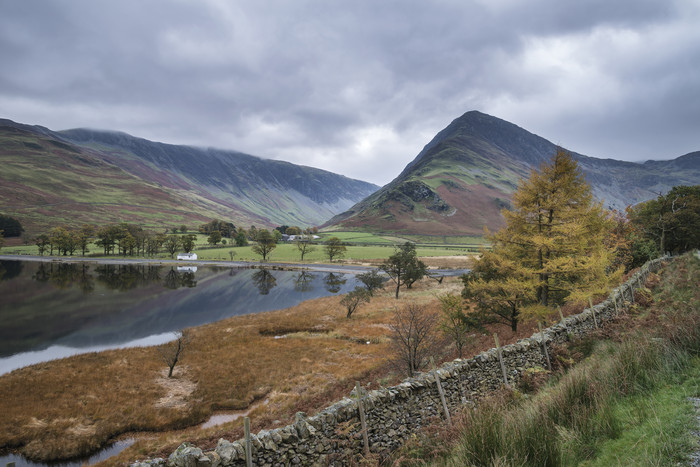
(229, 452)
(187, 455)
(155, 462)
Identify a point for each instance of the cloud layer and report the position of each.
(357, 87)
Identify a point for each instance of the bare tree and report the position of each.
(304, 246)
(171, 352)
(414, 337)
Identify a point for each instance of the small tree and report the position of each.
(188, 242)
(404, 267)
(334, 248)
(265, 243)
(414, 337)
(183, 228)
(304, 246)
(455, 323)
(42, 242)
(353, 299)
(171, 244)
(371, 280)
(241, 239)
(214, 237)
(171, 352)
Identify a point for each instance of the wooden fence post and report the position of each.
(631, 293)
(500, 359)
(248, 449)
(590, 302)
(544, 347)
(363, 420)
(441, 392)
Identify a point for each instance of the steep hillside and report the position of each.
(79, 176)
(463, 178)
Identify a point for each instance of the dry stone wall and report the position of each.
(333, 436)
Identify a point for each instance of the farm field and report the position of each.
(362, 247)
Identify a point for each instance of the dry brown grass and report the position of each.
(71, 407)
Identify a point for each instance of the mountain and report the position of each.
(462, 179)
(81, 176)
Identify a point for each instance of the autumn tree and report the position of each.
(552, 247)
(264, 244)
(404, 267)
(334, 248)
(498, 289)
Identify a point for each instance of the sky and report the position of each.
(357, 87)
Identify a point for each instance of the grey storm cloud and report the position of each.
(357, 87)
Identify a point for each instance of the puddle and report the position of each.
(220, 419)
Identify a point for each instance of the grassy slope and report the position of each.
(46, 184)
(626, 404)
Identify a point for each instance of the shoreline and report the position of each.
(320, 267)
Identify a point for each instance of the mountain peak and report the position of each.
(471, 168)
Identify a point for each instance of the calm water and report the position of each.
(53, 310)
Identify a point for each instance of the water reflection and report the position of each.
(303, 282)
(50, 310)
(334, 282)
(10, 269)
(264, 281)
(176, 278)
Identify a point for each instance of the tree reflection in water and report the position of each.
(264, 280)
(175, 279)
(334, 282)
(303, 282)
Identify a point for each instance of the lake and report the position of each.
(52, 310)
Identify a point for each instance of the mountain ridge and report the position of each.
(467, 173)
(193, 184)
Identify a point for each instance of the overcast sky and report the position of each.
(357, 87)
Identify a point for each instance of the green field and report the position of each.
(467, 241)
(361, 246)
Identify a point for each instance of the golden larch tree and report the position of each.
(552, 247)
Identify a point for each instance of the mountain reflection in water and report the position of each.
(51, 310)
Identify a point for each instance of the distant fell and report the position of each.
(87, 176)
(467, 173)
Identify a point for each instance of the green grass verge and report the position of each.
(653, 426)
